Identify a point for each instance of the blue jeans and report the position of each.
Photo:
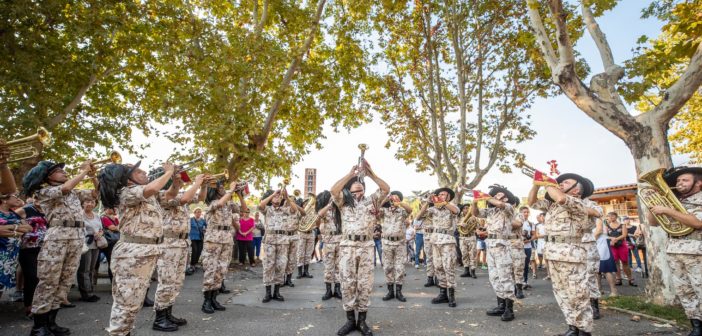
(378, 252)
(257, 245)
(635, 251)
(527, 261)
(418, 246)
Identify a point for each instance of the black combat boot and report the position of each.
(391, 292)
(215, 304)
(306, 271)
(572, 331)
(430, 282)
(595, 304)
(207, 304)
(267, 297)
(441, 298)
(161, 323)
(41, 325)
(276, 293)
(584, 333)
(499, 310)
(337, 290)
(148, 302)
(696, 328)
(398, 293)
(55, 328)
(224, 290)
(452, 297)
(328, 294)
(472, 273)
(466, 272)
(518, 291)
(299, 272)
(362, 326)
(350, 324)
(176, 320)
(508, 315)
(288, 281)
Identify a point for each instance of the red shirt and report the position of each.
(107, 222)
(245, 225)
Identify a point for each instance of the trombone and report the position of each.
(23, 148)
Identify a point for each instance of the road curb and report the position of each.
(646, 316)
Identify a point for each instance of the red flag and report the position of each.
(479, 195)
(543, 180)
(184, 176)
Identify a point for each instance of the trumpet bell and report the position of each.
(24, 148)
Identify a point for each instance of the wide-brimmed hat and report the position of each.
(671, 175)
(36, 176)
(511, 199)
(586, 186)
(452, 194)
(399, 194)
(112, 178)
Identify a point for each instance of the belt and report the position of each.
(428, 230)
(222, 227)
(564, 239)
(67, 223)
(692, 236)
(444, 231)
(334, 233)
(500, 236)
(175, 235)
(140, 240)
(393, 238)
(283, 232)
(357, 237)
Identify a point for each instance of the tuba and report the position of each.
(23, 148)
(468, 225)
(309, 221)
(655, 191)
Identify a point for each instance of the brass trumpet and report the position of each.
(361, 170)
(527, 169)
(213, 179)
(23, 148)
(95, 166)
(282, 186)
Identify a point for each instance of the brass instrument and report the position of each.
(655, 191)
(213, 179)
(297, 193)
(179, 168)
(282, 186)
(95, 166)
(241, 185)
(23, 148)
(309, 221)
(361, 171)
(527, 169)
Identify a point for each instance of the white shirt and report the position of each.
(409, 233)
(541, 230)
(527, 226)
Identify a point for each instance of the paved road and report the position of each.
(304, 313)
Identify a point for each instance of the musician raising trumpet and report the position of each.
(685, 252)
(393, 215)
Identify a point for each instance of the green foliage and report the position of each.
(640, 304)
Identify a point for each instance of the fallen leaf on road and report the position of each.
(206, 318)
(375, 327)
(662, 325)
(319, 306)
(461, 322)
(473, 324)
(636, 318)
(401, 307)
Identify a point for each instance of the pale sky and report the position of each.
(564, 133)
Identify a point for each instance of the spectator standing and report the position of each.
(633, 235)
(86, 268)
(617, 233)
(418, 240)
(110, 229)
(12, 227)
(244, 237)
(378, 252)
(198, 225)
(29, 251)
(258, 236)
(541, 243)
(410, 239)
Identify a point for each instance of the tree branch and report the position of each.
(566, 59)
(542, 38)
(679, 93)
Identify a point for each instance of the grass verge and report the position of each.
(639, 304)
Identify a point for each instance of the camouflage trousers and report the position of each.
(468, 251)
(56, 269)
(215, 262)
(394, 258)
(445, 264)
(291, 258)
(171, 273)
(356, 270)
(687, 280)
(305, 247)
(499, 259)
(131, 278)
(274, 263)
(518, 258)
(331, 262)
(571, 290)
(428, 255)
(593, 268)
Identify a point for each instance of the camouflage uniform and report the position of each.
(468, 245)
(275, 245)
(134, 256)
(517, 252)
(60, 255)
(291, 225)
(331, 239)
(685, 254)
(499, 256)
(219, 244)
(567, 258)
(356, 250)
(304, 247)
(394, 247)
(174, 252)
(443, 245)
(428, 247)
(593, 256)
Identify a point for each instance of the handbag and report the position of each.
(111, 236)
(101, 242)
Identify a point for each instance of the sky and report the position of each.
(563, 133)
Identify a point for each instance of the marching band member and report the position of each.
(593, 256)
(393, 214)
(358, 215)
(468, 244)
(442, 215)
(59, 257)
(277, 207)
(221, 214)
(126, 188)
(517, 251)
(566, 222)
(685, 252)
(305, 246)
(330, 228)
(500, 215)
(428, 250)
(174, 250)
(291, 225)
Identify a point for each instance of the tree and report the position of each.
(644, 134)
(451, 96)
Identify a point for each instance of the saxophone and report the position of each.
(309, 221)
(655, 191)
